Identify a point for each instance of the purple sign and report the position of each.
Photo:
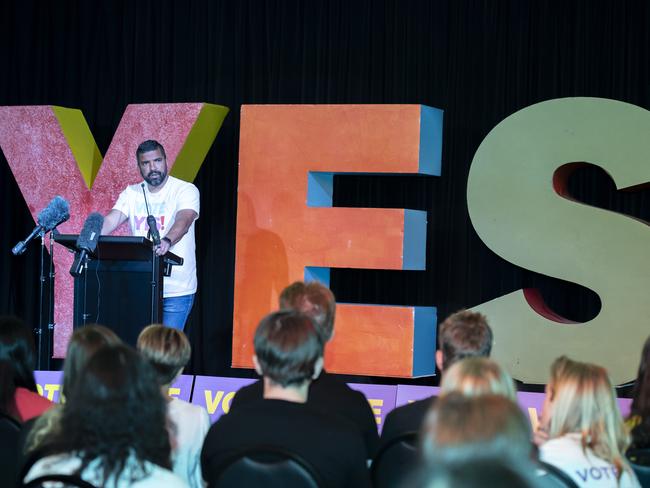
(531, 403)
(624, 405)
(411, 393)
(48, 384)
(380, 397)
(182, 387)
(215, 393)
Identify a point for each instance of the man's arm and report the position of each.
(182, 222)
(112, 220)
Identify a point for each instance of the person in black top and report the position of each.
(328, 393)
(289, 355)
(463, 334)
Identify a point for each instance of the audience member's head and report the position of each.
(460, 428)
(288, 348)
(478, 376)
(167, 349)
(580, 399)
(16, 362)
(478, 473)
(85, 341)
(114, 415)
(314, 300)
(463, 334)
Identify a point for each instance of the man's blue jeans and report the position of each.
(176, 310)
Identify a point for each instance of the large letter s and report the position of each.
(517, 207)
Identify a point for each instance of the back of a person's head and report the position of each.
(17, 360)
(459, 427)
(464, 334)
(479, 472)
(114, 411)
(287, 347)
(582, 400)
(85, 341)
(641, 394)
(167, 349)
(478, 376)
(314, 300)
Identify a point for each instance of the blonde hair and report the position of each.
(167, 349)
(460, 427)
(583, 401)
(478, 376)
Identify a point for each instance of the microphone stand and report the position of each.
(153, 232)
(50, 322)
(46, 307)
(41, 304)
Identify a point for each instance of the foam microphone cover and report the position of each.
(90, 233)
(56, 212)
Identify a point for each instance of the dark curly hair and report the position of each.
(16, 362)
(114, 411)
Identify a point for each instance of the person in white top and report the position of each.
(175, 204)
(113, 426)
(168, 351)
(582, 430)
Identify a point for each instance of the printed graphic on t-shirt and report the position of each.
(597, 473)
(158, 211)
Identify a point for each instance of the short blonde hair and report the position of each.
(476, 377)
(167, 349)
(583, 401)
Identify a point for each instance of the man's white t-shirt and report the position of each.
(584, 468)
(175, 195)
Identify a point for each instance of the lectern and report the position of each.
(121, 285)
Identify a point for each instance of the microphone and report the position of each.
(56, 212)
(151, 221)
(87, 241)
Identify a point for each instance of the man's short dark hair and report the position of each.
(464, 334)
(149, 145)
(314, 300)
(287, 346)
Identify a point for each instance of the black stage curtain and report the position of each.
(480, 61)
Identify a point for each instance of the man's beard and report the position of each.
(155, 178)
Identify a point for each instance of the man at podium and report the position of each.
(174, 204)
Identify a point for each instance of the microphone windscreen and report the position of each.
(90, 232)
(57, 211)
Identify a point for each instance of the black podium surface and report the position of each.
(121, 285)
